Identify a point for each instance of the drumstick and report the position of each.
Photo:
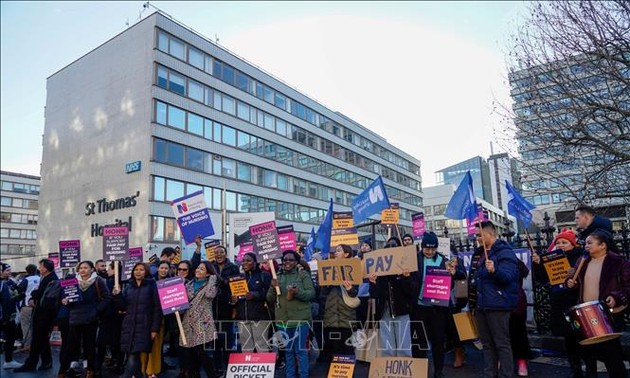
(577, 271)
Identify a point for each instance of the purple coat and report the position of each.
(614, 280)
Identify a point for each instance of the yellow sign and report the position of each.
(341, 367)
(557, 267)
(399, 367)
(391, 215)
(347, 236)
(335, 271)
(390, 261)
(238, 286)
(342, 220)
(210, 247)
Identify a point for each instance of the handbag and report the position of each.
(365, 340)
(352, 302)
(461, 289)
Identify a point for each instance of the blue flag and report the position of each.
(519, 206)
(463, 204)
(310, 246)
(323, 233)
(371, 201)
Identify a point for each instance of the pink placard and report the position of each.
(417, 221)
(287, 238)
(173, 296)
(437, 287)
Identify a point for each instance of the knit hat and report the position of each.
(429, 240)
(567, 235)
(5, 267)
(252, 255)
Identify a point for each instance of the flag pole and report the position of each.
(529, 242)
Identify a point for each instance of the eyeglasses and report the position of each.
(182, 270)
(285, 260)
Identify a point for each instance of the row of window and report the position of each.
(173, 116)
(14, 233)
(544, 199)
(240, 80)
(19, 203)
(169, 115)
(7, 217)
(17, 249)
(19, 187)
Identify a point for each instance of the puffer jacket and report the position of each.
(143, 315)
(255, 309)
(221, 308)
(498, 290)
(336, 313)
(94, 302)
(598, 222)
(292, 313)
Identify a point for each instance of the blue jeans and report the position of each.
(296, 346)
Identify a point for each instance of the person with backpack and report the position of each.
(84, 314)
(47, 302)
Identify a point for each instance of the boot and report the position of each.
(576, 367)
(459, 357)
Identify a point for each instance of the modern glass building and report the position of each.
(160, 111)
(18, 216)
(479, 171)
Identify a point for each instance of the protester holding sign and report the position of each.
(252, 313)
(564, 246)
(198, 322)
(84, 314)
(152, 362)
(497, 295)
(143, 317)
(293, 310)
(394, 295)
(432, 291)
(109, 328)
(338, 315)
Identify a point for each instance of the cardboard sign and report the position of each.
(193, 216)
(54, 257)
(173, 296)
(287, 238)
(465, 324)
(481, 216)
(342, 220)
(335, 271)
(134, 257)
(251, 365)
(238, 286)
(444, 247)
(436, 287)
(399, 367)
(391, 215)
(69, 253)
(390, 261)
(115, 243)
(347, 236)
(418, 225)
(210, 247)
(265, 240)
(70, 290)
(341, 366)
(557, 267)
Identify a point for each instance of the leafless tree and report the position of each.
(569, 69)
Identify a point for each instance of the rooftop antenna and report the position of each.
(216, 38)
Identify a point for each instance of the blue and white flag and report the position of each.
(371, 201)
(192, 216)
(323, 233)
(310, 246)
(519, 206)
(463, 204)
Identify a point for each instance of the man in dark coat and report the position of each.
(587, 221)
(44, 314)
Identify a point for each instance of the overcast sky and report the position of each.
(423, 75)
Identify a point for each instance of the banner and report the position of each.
(391, 215)
(390, 261)
(342, 219)
(265, 240)
(557, 267)
(418, 225)
(115, 243)
(335, 271)
(54, 257)
(134, 257)
(192, 216)
(70, 290)
(399, 367)
(69, 253)
(251, 365)
(341, 367)
(238, 286)
(371, 201)
(347, 236)
(436, 287)
(173, 296)
(287, 238)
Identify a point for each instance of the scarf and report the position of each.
(198, 284)
(84, 285)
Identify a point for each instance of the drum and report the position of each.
(592, 322)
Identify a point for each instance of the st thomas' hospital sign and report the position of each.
(105, 205)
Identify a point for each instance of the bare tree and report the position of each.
(569, 67)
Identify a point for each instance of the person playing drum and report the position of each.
(604, 276)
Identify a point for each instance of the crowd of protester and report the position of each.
(120, 326)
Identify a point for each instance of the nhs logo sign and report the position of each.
(135, 166)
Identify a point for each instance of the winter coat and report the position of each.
(222, 310)
(598, 222)
(337, 313)
(498, 290)
(292, 313)
(395, 291)
(38, 294)
(143, 315)
(198, 322)
(93, 303)
(417, 283)
(614, 280)
(255, 309)
(7, 298)
(111, 321)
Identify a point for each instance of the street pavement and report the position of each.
(473, 367)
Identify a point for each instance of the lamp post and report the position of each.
(548, 229)
(508, 233)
